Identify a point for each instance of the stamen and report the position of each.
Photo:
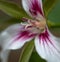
(28, 26)
(25, 19)
(40, 25)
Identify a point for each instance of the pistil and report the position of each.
(40, 25)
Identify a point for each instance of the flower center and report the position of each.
(40, 25)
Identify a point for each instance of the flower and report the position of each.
(15, 36)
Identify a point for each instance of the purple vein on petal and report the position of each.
(24, 35)
(35, 8)
(45, 36)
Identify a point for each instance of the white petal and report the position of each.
(48, 47)
(10, 32)
(33, 7)
(15, 36)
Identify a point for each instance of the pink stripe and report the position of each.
(45, 36)
(35, 7)
(25, 35)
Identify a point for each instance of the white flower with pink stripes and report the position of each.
(15, 36)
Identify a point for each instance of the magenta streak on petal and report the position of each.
(45, 36)
(35, 8)
(24, 35)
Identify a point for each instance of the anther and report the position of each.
(25, 19)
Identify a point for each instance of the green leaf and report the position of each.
(53, 25)
(26, 52)
(49, 5)
(36, 58)
(8, 22)
(12, 9)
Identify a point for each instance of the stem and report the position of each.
(26, 52)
